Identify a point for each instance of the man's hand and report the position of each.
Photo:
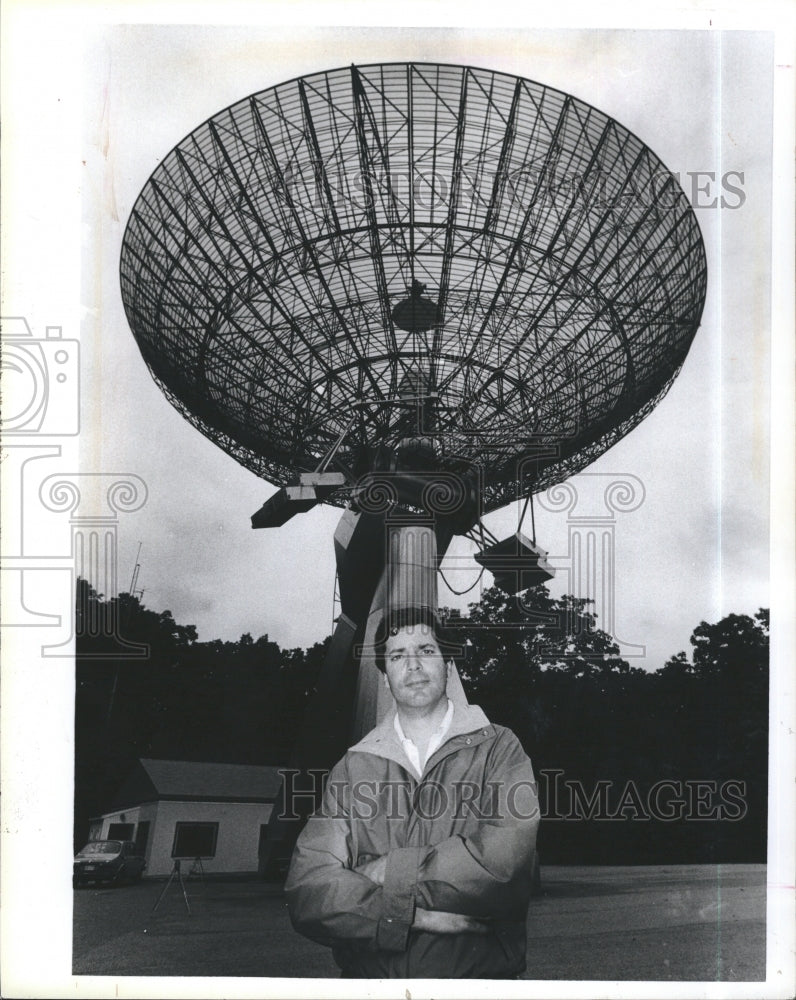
(374, 870)
(440, 922)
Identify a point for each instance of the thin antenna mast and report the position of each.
(136, 571)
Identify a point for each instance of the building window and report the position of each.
(120, 831)
(195, 840)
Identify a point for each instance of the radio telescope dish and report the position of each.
(330, 257)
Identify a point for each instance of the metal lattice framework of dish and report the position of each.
(329, 258)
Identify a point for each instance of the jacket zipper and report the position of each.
(454, 745)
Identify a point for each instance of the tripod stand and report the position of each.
(197, 870)
(174, 871)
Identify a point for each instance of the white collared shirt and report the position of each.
(434, 743)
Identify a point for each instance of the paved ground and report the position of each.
(673, 922)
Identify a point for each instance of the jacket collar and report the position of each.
(467, 719)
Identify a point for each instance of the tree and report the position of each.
(522, 652)
(513, 638)
(734, 648)
(677, 667)
(536, 664)
(184, 699)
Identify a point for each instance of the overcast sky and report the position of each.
(697, 547)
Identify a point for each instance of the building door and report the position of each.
(142, 837)
(262, 849)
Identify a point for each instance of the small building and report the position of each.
(184, 810)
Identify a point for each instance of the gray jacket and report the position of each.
(461, 839)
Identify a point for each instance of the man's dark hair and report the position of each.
(399, 618)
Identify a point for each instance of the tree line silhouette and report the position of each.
(633, 766)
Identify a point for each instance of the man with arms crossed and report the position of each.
(419, 862)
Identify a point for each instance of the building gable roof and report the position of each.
(198, 780)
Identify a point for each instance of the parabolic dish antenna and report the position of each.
(444, 274)
(330, 257)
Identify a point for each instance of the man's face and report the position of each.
(416, 672)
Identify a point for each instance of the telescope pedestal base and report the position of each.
(381, 565)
